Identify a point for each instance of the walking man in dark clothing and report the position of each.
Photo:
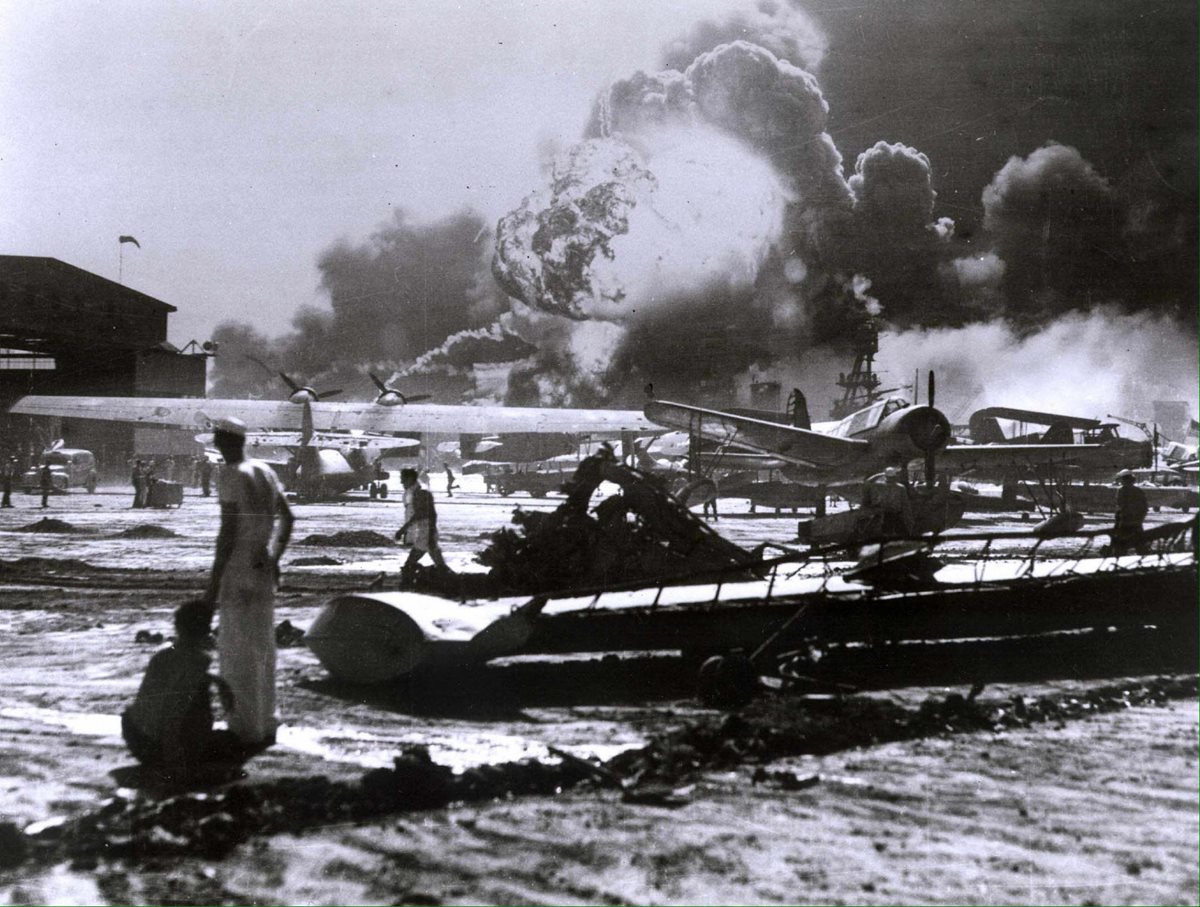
(138, 479)
(206, 470)
(1131, 512)
(9, 476)
(47, 480)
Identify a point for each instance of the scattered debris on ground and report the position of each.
(147, 531)
(773, 727)
(638, 535)
(288, 635)
(147, 636)
(210, 823)
(353, 538)
(45, 565)
(319, 560)
(49, 524)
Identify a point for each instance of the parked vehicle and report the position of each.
(69, 468)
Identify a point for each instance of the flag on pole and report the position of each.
(125, 239)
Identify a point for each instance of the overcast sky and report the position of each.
(237, 140)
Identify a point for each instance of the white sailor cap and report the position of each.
(1125, 473)
(230, 425)
(891, 472)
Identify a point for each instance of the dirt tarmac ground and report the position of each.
(1092, 806)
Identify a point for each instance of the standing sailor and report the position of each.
(256, 524)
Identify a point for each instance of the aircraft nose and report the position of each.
(927, 428)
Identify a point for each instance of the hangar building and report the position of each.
(64, 330)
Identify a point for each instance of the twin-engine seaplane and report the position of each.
(331, 446)
(372, 416)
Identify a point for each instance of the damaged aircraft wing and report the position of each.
(271, 415)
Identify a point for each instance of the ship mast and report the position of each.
(860, 388)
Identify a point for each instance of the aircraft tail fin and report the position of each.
(1058, 433)
(986, 430)
(798, 409)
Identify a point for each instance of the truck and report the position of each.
(69, 468)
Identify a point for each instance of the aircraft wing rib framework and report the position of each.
(796, 445)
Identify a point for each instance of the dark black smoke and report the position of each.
(778, 26)
(615, 277)
(392, 298)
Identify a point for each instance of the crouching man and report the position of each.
(169, 726)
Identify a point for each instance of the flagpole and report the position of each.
(120, 260)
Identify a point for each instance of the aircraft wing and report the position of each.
(796, 445)
(965, 457)
(269, 415)
(1034, 417)
(325, 440)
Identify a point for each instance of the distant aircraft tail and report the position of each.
(986, 430)
(1058, 433)
(798, 409)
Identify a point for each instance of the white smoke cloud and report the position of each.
(1084, 363)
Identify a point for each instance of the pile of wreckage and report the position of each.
(639, 572)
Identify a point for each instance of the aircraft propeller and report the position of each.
(390, 396)
(302, 393)
(930, 464)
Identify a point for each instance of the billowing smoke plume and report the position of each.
(392, 298)
(897, 241)
(779, 27)
(478, 346)
(1083, 363)
(1074, 364)
(1060, 223)
(703, 231)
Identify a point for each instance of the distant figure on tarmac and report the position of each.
(420, 527)
(9, 475)
(450, 483)
(1131, 512)
(169, 726)
(887, 495)
(47, 482)
(138, 479)
(256, 525)
(206, 470)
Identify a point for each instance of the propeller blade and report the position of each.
(931, 388)
(417, 397)
(930, 469)
(383, 388)
(290, 383)
(306, 425)
(324, 394)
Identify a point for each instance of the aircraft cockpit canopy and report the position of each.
(866, 419)
(1101, 434)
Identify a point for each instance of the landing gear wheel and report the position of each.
(373, 491)
(726, 682)
(383, 491)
